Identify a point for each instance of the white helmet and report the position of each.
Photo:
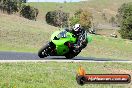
(77, 27)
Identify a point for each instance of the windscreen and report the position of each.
(62, 34)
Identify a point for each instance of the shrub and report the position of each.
(57, 18)
(29, 12)
(85, 19)
(9, 6)
(125, 17)
(82, 17)
(74, 20)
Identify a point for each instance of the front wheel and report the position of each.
(42, 51)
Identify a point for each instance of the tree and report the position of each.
(12, 7)
(24, 1)
(104, 16)
(76, 18)
(85, 19)
(112, 21)
(29, 12)
(9, 6)
(82, 17)
(57, 18)
(125, 17)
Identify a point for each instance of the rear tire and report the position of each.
(69, 56)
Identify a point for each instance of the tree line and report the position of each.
(125, 20)
(84, 17)
(13, 6)
(60, 18)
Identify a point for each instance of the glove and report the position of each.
(76, 50)
(76, 46)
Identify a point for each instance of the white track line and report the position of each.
(11, 61)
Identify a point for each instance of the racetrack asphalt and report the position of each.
(23, 56)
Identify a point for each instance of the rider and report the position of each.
(78, 31)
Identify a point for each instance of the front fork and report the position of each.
(51, 50)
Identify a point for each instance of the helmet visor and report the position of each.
(77, 29)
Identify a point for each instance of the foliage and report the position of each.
(74, 20)
(29, 12)
(82, 17)
(9, 6)
(85, 19)
(13, 6)
(104, 17)
(57, 18)
(112, 20)
(125, 17)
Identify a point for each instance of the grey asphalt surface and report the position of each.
(33, 56)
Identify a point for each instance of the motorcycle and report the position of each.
(59, 45)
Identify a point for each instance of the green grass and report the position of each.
(57, 75)
(106, 4)
(70, 7)
(22, 35)
(50, 6)
(96, 7)
(106, 47)
(110, 7)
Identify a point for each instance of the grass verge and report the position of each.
(107, 47)
(57, 75)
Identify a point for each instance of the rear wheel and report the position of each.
(69, 56)
(72, 54)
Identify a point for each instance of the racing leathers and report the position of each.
(81, 40)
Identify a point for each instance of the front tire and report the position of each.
(42, 52)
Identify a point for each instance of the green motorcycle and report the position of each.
(59, 45)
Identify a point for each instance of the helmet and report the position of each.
(77, 29)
